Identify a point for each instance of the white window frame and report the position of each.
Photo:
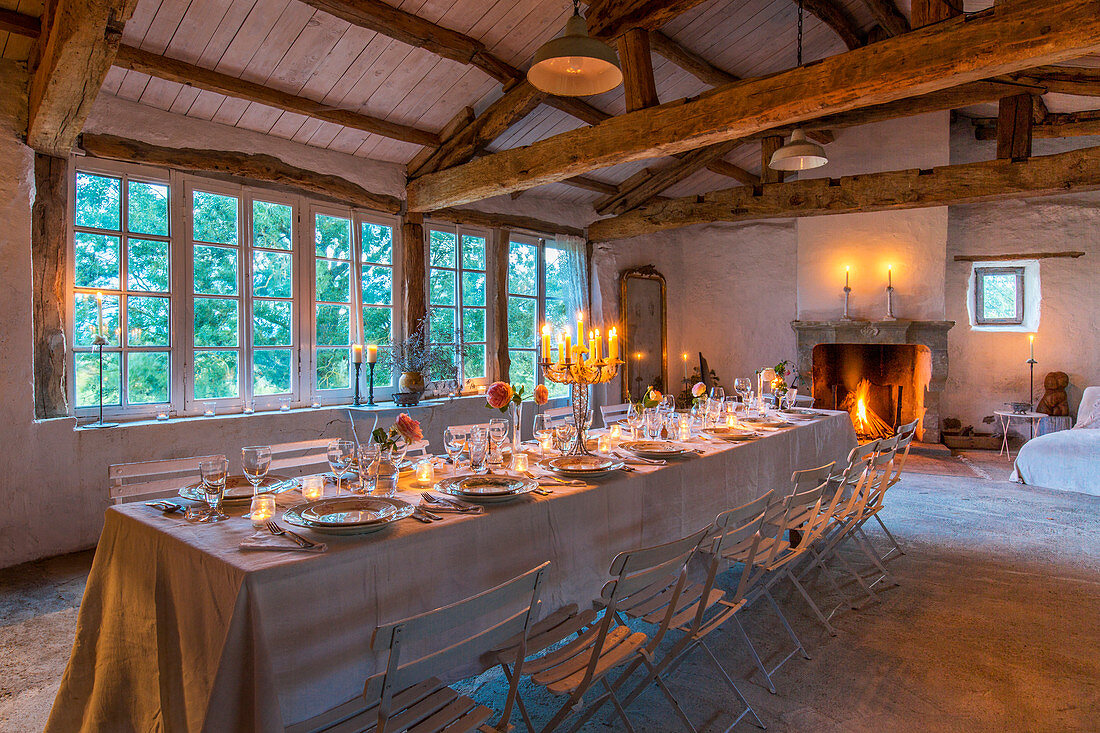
(382, 391)
(539, 297)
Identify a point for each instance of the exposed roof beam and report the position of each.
(888, 16)
(612, 18)
(76, 49)
(736, 172)
(1064, 79)
(689, 61)
(182, 72)
(836, 17)
(22, 25)
(503, 221)
(1078, 170)
(1007, 38)
(639, 87)
(259, 167)
(1055, 124)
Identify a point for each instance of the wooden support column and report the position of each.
(768, 146)
(927, 12)
(499, 362)
(416, 273)
(49, 263)
(637, 64)
(1015, 119)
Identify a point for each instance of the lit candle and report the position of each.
(520, 463)
(357, 354)
(685, 430)
(596, 347)
(685, 356)
(591, 349)
(613, 343)
(603, 443)
(561, 349)
(99, 309)
(580, 329)
(545, 343)
(1031, 338)
(425, 472)
(847, 270)
(162, 415)
(889, 276)
(313, 487)
(546, 443)
(261, 509)
(568, 347)
(731, 421)
(616, 433)
(372, 353)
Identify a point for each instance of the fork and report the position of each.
(460, 505)
(277, 530)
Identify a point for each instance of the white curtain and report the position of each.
(575, 252)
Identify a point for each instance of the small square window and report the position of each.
(999, 295)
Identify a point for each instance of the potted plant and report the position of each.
(418, 360)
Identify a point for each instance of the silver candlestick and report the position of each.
(99, 342)
(890, 303)
(847, 293)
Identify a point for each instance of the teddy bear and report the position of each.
(1055, 401)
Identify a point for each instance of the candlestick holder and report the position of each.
(890, 303)
(1031, 395)
(358, 369)
(99, 342)
(847, 293)
(370, 393)
(580, 376)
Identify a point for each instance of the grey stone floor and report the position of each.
(995, 626)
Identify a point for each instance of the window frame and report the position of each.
(980, 273)
(539, 243)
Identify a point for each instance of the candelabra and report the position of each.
(579, 376)
(370, 394)
(847, 293)
(358, 368)
(99, 342)
(890, 303)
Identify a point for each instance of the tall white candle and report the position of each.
(372, 353)
(357, 353)
(99, 309)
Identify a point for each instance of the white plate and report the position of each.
(759, 422)
(486, 489)
(654, 448)
(347, 511)
(581, 474)
(733, 434)
(403, 509)
(581, 464)
(239, 491)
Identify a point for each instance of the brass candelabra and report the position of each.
(580, 375)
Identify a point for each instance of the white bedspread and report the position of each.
(1068, 459)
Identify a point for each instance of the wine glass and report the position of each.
(718, 393)
(498, 431)
(668, 404)
(634, 415)
(453, 441)
(255, 460)
(369, 455)
(789, 398)
(213, 473)
(743, 387)
(564, 435)
(479, 445)
(340, 453)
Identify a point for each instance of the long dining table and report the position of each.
(181, 630)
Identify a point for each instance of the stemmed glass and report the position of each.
(213, 473)
(498, 431)
(340, 454)
(718, 393)
(634, 416)
(255, 460)
(541, 427)
(454, 441)
(743, 387)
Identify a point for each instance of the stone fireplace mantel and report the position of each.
(932, 334)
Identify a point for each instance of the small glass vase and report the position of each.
(389, 470)
(516, 413)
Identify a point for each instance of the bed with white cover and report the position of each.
(1067, 459)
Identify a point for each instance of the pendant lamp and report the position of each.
(799, 154)
(575, 64)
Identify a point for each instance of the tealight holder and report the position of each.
(209, 409)
(425, 473)
(603, 443)
(546, 443)
(520, 462)
(313, 488)
(261, 510)
(162, 416)
(615, 432)
(731, 421)
(685, 430)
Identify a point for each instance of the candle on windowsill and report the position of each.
(603, 443)
(357, 354)
(425, 473)
(520, 462)
(162, 415)
(372, 353)
(313, 487)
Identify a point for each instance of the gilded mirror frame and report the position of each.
(646, 273)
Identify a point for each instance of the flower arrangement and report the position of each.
(404, 427)
(776, 376)
(651, 398)
(698, 393)
(417, 353)
(541, 395)
(500, 395)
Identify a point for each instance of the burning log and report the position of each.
(868, 425)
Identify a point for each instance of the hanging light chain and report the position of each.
(799, 32)
(577, 7)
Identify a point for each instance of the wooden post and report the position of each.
(637, 64)
(416, 273)
(499, 362)
(1015, 121)
(49, 260)
(926, 12)
(768, 147)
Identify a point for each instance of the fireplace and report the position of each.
(898, 367)
(881, 385)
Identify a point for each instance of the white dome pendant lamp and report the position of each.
(574, 64)
(799, 154)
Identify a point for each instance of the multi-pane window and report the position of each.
(457, 305)
(556, 279)
(333, 245)
(376, 267)
(272, 293)
(523, 309)
(122, 287)
(999, 295)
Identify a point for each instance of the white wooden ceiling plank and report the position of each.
(195, 29)
(164, 25)
(368, 55)
(230, 111)
(205, 105)
(288, 125)
(225, 32)
(133, 86)
(184, 100)
(113, 80)
(305, 132)
(358, 95)
(139, 22)
(251, 35)
(401, 80)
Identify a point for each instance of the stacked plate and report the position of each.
(487, 488)
(732, 434)
(587, 466)
(348, 514)
(655, 448)
(765, 422)
(239, 491)
(800, 413)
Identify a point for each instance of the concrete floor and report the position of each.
(995, 627)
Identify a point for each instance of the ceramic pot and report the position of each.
(411, 385)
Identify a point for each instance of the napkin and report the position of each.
(266, 541)
(635, 461)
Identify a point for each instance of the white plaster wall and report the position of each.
(913, 242)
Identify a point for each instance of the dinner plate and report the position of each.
(402, 509)
(239, 491)
(581, 472)
(732, 433)
(581, 464)
(800, 414)
(654, 448)
(346, 511)
(763, 422)
(486, 488)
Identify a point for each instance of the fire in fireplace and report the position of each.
(881, 386)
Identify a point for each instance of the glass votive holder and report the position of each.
(313, 488)
(209, 409)
(685, 430)
(731, 421)
(162, 416)
(249, 407)
(615, 432)
(284, 404)
(261, 510)
(520, 462)
(546, 443)
(425, 473)
(315, 404)
(603, 443)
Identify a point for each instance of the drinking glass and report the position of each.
(370, 456)
(479, 445)
(718, 393)
(498, 431)
(255, 460)
(453, 442)
(213, 473)
(541, 426)
(789, 398)
(340, 453)
(634, 415)
(652, 423)
(743, 387)
(563, 436)
(668, 404)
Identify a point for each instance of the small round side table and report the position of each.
(1006, 417)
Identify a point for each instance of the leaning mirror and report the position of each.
(643, 315)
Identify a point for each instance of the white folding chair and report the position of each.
(613, 413)
(556, 415)
(408, 696)
(300, 457)
(904, 441)
(575, 668)
(152, 479)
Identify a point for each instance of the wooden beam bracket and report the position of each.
(1018, 256)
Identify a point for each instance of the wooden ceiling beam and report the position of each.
(929, 12)
(1009, 37)
(1014, 124)
(888, 16)
(1077, 170)
(19, 24)
(1054, 125)
(77, 46)
(768, 146)
(1064, 79)
(689, 61)
(736, 172)
(636, 61)
(834, 15)
(199, 77)
(510, 222)
(609, 19)
(260, 167)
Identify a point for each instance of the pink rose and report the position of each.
(409, 428)
(698, 390)
(542, 395)
(499, 395)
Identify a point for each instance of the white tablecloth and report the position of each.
(180, 630)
